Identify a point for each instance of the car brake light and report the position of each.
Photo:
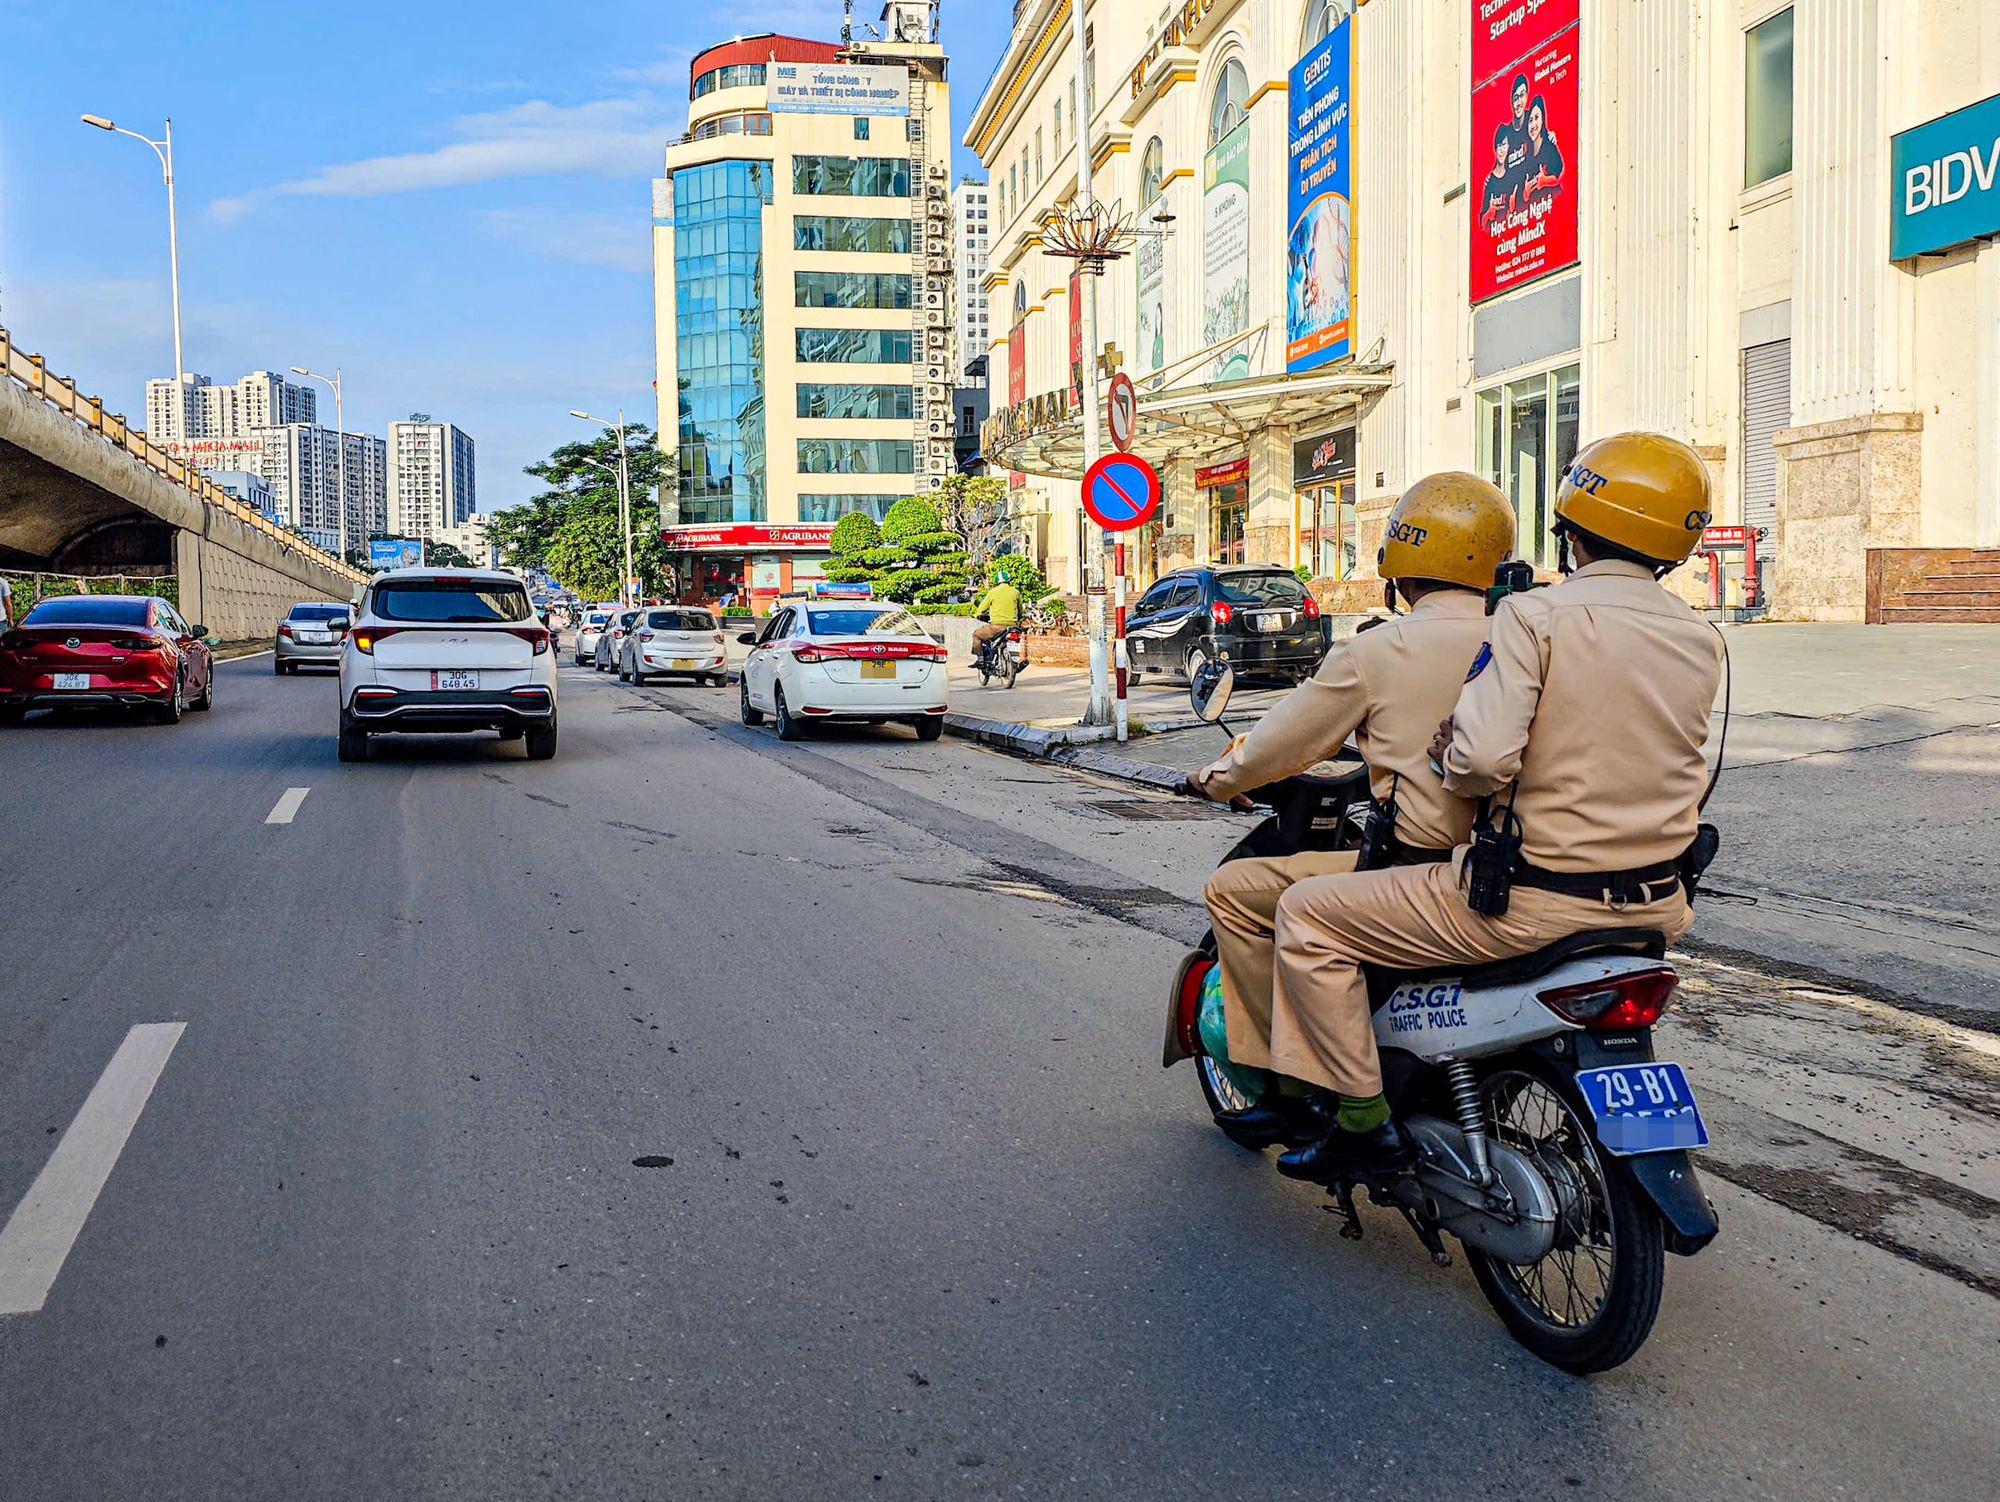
(1616, 1004)
(364, 639)
(1221, 612)
(1311, 608)
(285, 630)
(535, 636)
(645, 636)
(806, 652)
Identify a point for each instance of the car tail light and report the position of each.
(134, 643)
(1311, 608)
(285, 630)
(365, 638)
(806, 652)
(645, 636)
(1616, 1004)
(535, 636)
(1221, 612)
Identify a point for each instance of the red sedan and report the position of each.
(105, 651)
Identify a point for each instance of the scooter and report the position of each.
(1551, 1143)
(1003, 657)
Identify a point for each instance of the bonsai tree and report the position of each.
(921, 562)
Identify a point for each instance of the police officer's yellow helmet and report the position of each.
(1643, 491)
(1452, 526)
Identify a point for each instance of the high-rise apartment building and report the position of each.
(803, 269)
(968, 211)
(430, 477)
(301, 464)
(199, 420)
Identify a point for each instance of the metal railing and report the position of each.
(31, 373)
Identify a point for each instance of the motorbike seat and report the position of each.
(1649, 942)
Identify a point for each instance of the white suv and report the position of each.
(447, 649)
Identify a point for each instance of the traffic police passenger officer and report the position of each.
(1592, 702)
(1387, 687)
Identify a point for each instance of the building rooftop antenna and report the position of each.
(847, 23)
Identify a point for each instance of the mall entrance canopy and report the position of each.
(1181, 417)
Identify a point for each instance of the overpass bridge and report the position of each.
(83, 495)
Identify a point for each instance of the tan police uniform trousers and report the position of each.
(1242, 899)
(1408, 917)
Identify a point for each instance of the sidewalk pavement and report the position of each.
(1859, 806)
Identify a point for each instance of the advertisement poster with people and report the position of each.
(1017, 373)
(1319, 258)
(1225, 206)
(1524, 113)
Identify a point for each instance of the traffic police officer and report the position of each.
(1387, 687)
(1592, 701)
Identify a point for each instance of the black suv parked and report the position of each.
(1262, 619)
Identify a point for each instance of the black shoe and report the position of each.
(1342, 1154)
(1277, 1117)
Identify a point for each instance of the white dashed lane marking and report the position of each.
(287, 807)
(45, 1225)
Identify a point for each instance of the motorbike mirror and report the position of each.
(1209, 693)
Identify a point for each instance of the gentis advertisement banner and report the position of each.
(1524, 114)
(1319, 257)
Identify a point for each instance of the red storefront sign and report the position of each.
(1017, 382)
(1217, 475)
(1727, 537)
(748, 539)
(1524, 141)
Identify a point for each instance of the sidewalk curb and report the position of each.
(1078, 746)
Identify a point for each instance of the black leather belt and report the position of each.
(1418, 855)
(1618, 888)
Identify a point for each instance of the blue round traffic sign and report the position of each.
(1121, 491)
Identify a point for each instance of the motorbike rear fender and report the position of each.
(1670, 1182)
(1174, 1049)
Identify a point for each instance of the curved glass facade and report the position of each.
(734, 76)
(719, 328)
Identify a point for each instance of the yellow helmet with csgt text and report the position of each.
(1453, 527)
(1644, 492)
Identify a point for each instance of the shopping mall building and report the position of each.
(802, 254)
(1380, 240)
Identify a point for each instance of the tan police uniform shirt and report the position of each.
(1595, 704)
(1388, 688)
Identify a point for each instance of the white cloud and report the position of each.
(608, 138)
(621, 241)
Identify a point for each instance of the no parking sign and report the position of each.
(1121, 491)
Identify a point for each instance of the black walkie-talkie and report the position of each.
(1378, 835)
(1490, 865)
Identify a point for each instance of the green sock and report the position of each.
(1289, 1086)
(1363, 1113)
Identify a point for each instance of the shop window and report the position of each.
(1527, 437)
(1767, 100)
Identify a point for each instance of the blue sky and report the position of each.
(451, 203)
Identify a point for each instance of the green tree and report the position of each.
(444, 555)
(975, 507)
(581, 480)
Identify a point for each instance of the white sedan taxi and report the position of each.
(858, 662)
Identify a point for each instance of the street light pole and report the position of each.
(625, 588)
(340, 454)
(164, 150)
(1101, 711)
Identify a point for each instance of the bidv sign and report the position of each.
(1945, 181)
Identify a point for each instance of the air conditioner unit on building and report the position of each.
(937, 171)
(938, 265)
(935, 317)
(934, 393)
(938, 428)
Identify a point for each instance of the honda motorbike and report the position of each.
(1551, 1144)
(1003, 657)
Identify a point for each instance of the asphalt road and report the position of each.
(923, 1217)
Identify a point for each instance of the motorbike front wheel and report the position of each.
(1590, 1303)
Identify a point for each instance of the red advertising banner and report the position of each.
(1216, 475)
(1524, 120)
(1017, 382)
(753, 539)
(1076, 339)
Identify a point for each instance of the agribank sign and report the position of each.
(1944, 187)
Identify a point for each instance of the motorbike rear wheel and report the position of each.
(1590, 1303)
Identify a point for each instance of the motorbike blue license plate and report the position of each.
(1643, 1108)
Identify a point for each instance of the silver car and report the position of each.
(605, 657)
(313, 633)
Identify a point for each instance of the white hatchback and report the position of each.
(447, 649)
(674, 639)
(859, 661)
